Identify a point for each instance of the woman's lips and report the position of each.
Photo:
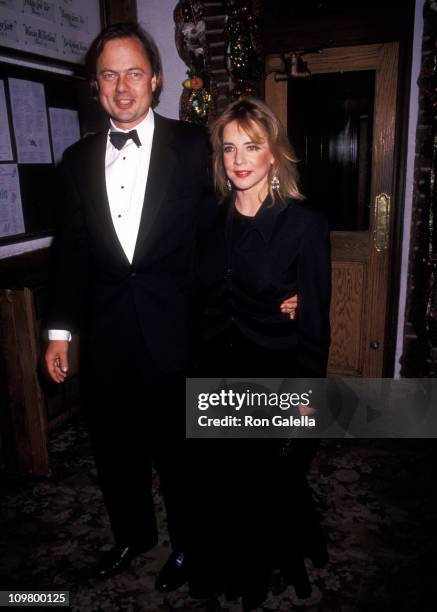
(243, 173)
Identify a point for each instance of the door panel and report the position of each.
(348, 290)
(360, 258)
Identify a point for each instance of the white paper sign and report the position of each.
(9, 4)
(11, 210)
(5, 137)
(29, 117)
(44, 9)
(62, 29)
(65, 130)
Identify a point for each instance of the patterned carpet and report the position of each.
(380, 518)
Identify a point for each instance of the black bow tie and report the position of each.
(119, 139)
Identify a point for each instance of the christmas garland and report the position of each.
(420, 358)
(197, 101)
(244, 48)
(242, 58)
(429, 260)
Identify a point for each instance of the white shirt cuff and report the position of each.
(59, 334)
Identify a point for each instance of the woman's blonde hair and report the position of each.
(250, 114)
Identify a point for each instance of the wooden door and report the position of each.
(360, 275)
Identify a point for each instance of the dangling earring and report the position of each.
(229, 185)
(275, 183)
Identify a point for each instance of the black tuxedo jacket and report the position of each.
(95, 288)
(243, 280)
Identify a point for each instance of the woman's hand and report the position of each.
(307, 410)
(289, 306)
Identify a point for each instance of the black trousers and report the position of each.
(136, 419)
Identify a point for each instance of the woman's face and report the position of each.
(247, 163)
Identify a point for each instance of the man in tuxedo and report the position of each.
(135, 199)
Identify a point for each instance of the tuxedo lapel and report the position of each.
(162, 164)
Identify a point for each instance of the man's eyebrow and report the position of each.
(127, 69)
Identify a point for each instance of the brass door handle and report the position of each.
(382, 221)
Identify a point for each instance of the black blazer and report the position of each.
(284, 251)
(95, 289)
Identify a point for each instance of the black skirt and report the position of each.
(253, 508)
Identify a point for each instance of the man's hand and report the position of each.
(289, 306)
(56, 359)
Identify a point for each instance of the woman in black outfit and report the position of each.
(265, 246)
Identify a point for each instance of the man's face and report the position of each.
(125, 82)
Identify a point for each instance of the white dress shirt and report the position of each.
(126, 172)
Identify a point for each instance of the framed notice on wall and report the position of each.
(59, 29)
(42, 112)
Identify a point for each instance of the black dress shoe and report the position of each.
(295, 574)
(256, 589)
(173, 575)
(202, 589)
(118, 559)
(232, 591)
(253, 600)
